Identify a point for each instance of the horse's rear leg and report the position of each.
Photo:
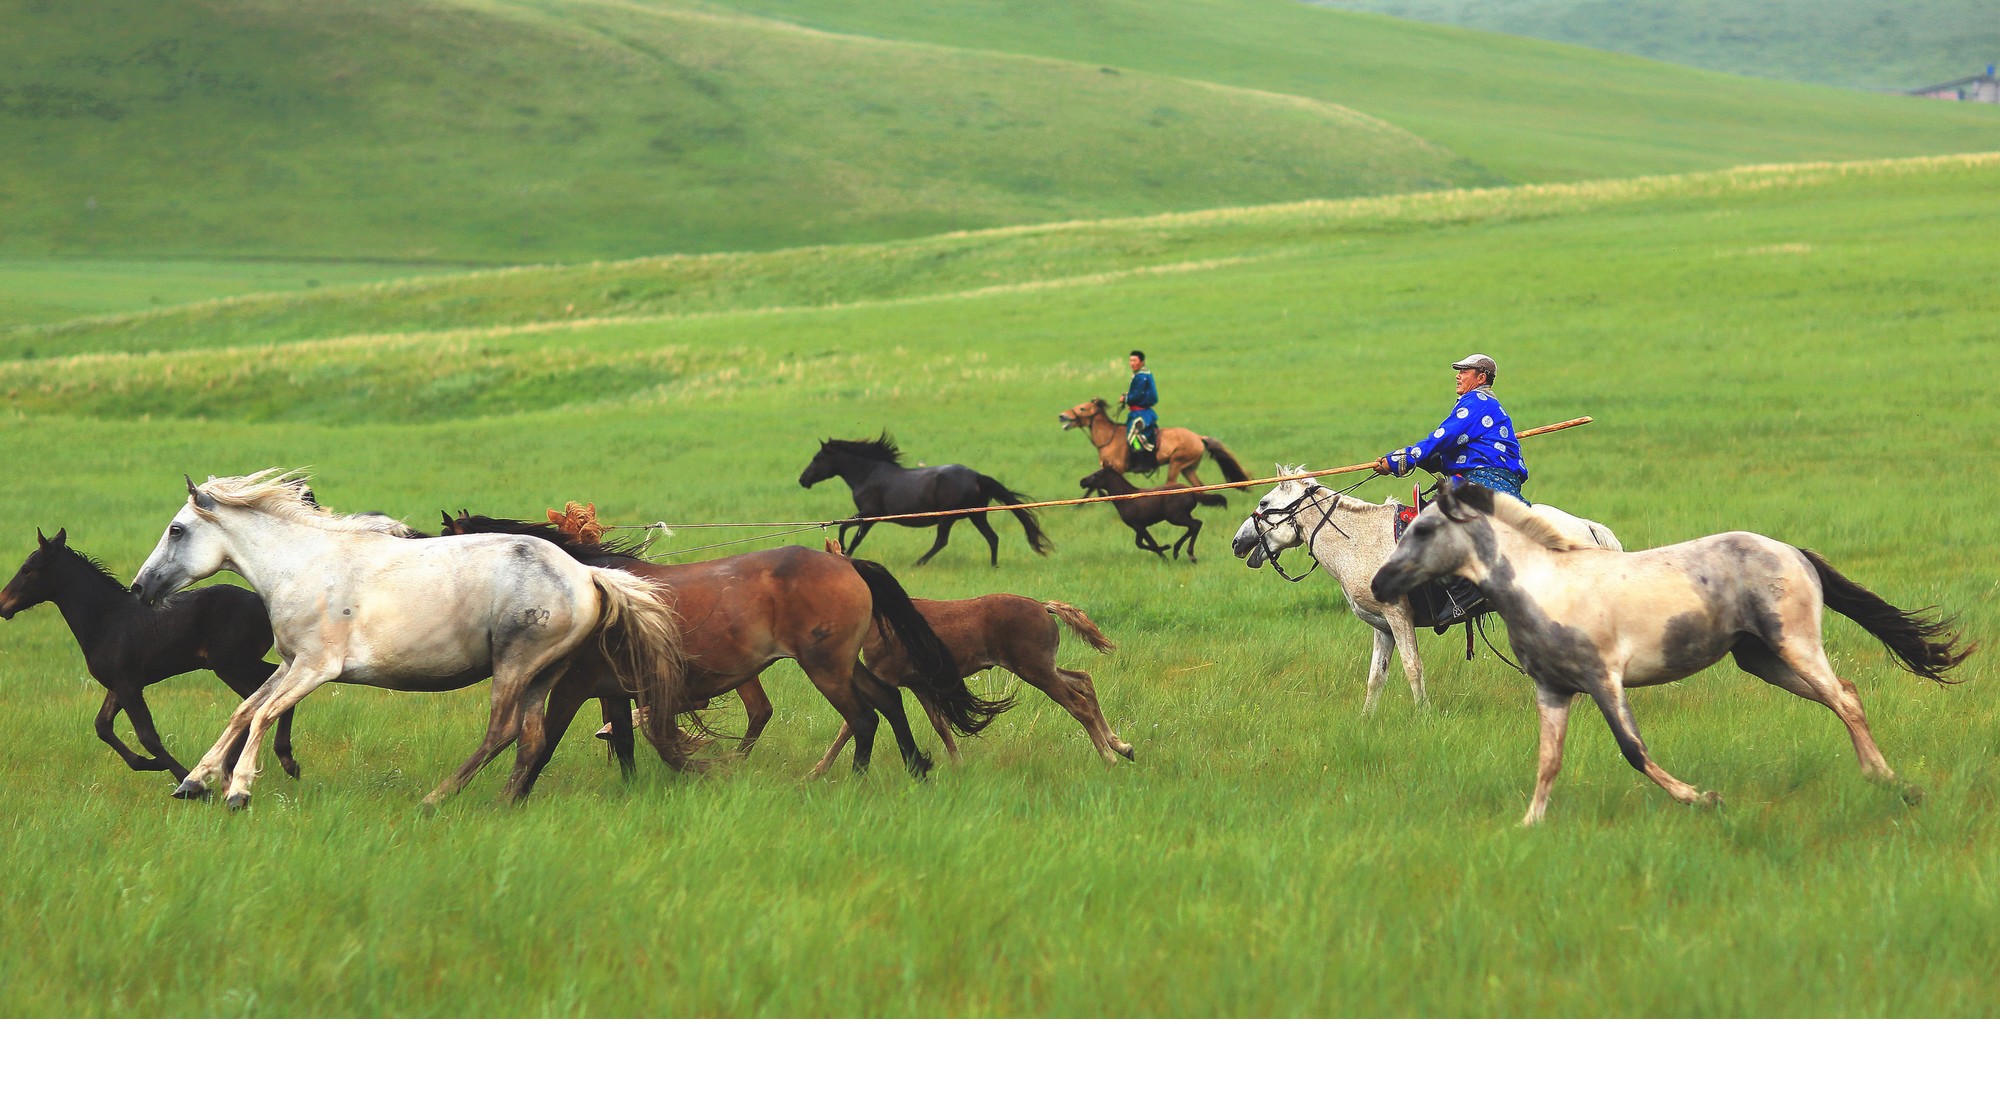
(1553, 707)
(888, 700)
(757, 713)
(1618, 715)
(617, 714)
(986, 529)
(1800, 667)
(534, 747)
(1086, 692)
(1060, 686)
(943, 537)
(502, 727)
(938, 723)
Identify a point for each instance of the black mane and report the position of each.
(103, 571)
(880, 449)
(623, 550)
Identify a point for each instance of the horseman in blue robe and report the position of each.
(1476, 442)
(1142, 425)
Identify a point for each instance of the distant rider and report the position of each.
(1142, 426)
(1475, 443)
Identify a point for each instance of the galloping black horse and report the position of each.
(128, 645)
(882, 486)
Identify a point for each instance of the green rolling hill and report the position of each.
(479, 131)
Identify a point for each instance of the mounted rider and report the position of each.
(1476, 442)
(1142, 425)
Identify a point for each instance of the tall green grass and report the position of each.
(1790, 358)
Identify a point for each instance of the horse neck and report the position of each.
(1340, 545)
(268, 551)
(1121, 484)
(854, 469)
(1103, 434)
(1509, 557)
(87, 600)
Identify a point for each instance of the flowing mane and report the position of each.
(283, 494)
(880, 449)
(1516, 515)
(99, 568)
(583, 550)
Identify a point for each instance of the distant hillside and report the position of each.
(469, 130)
(1848, 43)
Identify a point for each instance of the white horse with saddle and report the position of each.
(1591, 621)
(367, 600)
(1352, 539)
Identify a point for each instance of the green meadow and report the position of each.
(1792, 350)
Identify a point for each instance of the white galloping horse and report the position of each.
(1590, 621)
(1351, 539)
(366, 600)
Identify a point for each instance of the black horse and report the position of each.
(882, 486)
(128, 645)
(1164, 504)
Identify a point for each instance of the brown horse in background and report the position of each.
(741, 614)
(1180, 450)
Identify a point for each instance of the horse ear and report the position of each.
(556, 517)
(62, 536)
(40, 539)
(201, 500)
(447, 519)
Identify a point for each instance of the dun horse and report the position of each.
(1180, 450)
(1352, 539)
(1590, 621)
(745, 612)
(356, 600)
(128, 645)
(882, 486)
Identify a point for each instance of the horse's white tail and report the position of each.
(641, 637)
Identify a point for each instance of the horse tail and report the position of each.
(641, 638)
(1080, 624)
(1232, 471)
(1211, 498)
(898, 618)
(1926, 646)
(996, 492)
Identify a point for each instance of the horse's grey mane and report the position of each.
(1521, 518)
(283, 494)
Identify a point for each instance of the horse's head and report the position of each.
(579, 522)
(1273, 525)
(1443, 540)
(1102, 480)
(1080, 415)
(820, 469)
(34, 581)
(194, 546)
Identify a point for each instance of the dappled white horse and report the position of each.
(1351, 539)
(365, 600)
(1592, 621)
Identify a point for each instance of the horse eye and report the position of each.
(174, 531)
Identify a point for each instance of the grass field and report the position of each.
(1794, 351)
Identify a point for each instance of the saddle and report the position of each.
(1445, 603)
(1139, 461)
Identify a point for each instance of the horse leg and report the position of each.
(245, 680)
(886, 699)
(1404, 635)
(564, 703)
(1092, 713)
(757, 713)
(1802, 670)
(298, 684)
(532, 749)
(1553, 707)
(502, 725)
(149, 735)
(1193, 527)
(832, 753)
(1058, 685)
(943, 536)
(840, 690)
(931, 711)
(222, 757)
(1378, 669)
(1610, 699)
(1143, 539)
(986, 529)
(107, 733)
(617, 713)
(861, 533)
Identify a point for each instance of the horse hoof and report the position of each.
(238, 801)
(1913, 795)
(1128, 753)
(920, 767)
(291, 768)
(1708, 799)
(191, 789)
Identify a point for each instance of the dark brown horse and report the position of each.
(129, 645)
(882, 486)
(1157, 506)
(741, 614)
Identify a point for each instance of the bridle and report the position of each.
(1260, 519)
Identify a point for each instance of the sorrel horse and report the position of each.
(356, 600)
(1590, 621)
(1180, 450)
(745, 612)
(1157, 506)
(129, 645)
(1352, 539)
(882, 486)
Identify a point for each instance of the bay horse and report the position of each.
(743, 613)
(1352, 539)
(1157, 506)
(129, 645)
(882, 486)
(1590, 621)
(362, 600)
(1180, 450)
